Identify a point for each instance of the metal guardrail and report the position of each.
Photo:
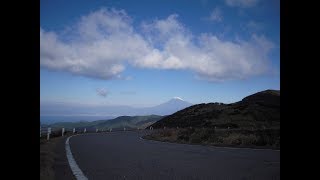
(49, 132)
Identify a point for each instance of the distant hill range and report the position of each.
(119, 122)
(105, 112)
(259, 110)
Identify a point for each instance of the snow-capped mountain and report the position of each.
(70, 112)
(173, 105)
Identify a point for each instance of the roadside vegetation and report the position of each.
(47, 158)
(48, 153)
(252, 122)
(255, 138)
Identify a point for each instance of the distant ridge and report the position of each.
(119, 122)
(173, 105)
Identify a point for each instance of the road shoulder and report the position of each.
(53, 160)
(61, 166)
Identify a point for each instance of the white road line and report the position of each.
(73, 164)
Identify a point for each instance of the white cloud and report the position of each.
(163, 29)
(210, 57)
(233, 60)
(241, 3)
(105, 42)
(216, 15)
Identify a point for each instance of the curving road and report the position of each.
(124, 155)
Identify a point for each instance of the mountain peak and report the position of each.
(177, 98)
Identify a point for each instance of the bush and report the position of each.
(196, 135)
(165, 133)
(233, 139)
(240, 139)
(249, 140)
(206, 134)
(183, 137)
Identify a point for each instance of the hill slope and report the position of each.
(258, 110)
(128, 121)
(119, 122)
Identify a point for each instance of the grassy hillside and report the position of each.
(119, 122)
(260, 110)
(253, 121)
(128, 121)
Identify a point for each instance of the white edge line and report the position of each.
(73, 164)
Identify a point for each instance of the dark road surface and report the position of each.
(124, 155)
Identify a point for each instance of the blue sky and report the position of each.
(142, 53)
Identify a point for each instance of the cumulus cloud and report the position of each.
(102, 92)
(216, 15)
(105, 41)
(241, 3)
(210, 57)
(233, 60)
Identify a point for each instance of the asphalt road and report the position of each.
(124, 155)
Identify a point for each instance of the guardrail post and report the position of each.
(124, 129)
(97, 130)
(48, 133)
(74, 130)
(62, 131)
(85, 130)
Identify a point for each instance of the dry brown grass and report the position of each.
(47, 157)
(240, 139)
(169, 135)
(221, 137)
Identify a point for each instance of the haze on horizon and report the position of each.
(144, 53)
